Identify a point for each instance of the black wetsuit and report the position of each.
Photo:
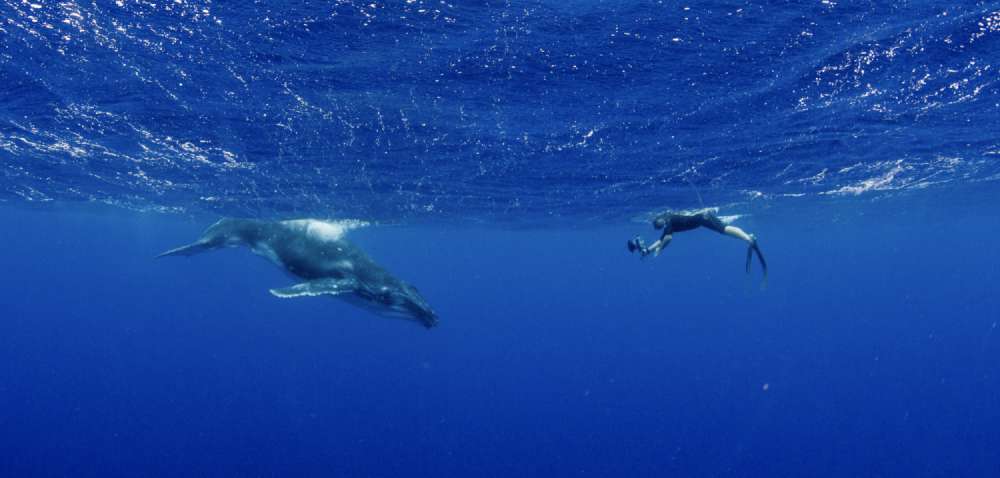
(684, 222)
(672, 222)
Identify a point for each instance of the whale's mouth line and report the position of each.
(381, 310)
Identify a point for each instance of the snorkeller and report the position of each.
(673, 222)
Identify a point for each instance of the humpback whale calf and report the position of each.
(317, 252)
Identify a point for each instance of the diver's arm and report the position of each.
(658, 246)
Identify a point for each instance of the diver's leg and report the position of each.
(753, 247)
(738, 233)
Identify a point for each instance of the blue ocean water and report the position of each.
(503, 152)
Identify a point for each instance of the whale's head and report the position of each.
(400, 300)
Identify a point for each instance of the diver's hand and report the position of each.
(635, 244)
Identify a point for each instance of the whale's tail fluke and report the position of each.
(188, 250)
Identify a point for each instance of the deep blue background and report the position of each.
(504, 151)
(557, 353)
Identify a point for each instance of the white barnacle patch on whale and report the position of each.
(324, 230)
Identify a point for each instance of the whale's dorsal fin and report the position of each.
(317, 287)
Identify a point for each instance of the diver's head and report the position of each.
(660, 222)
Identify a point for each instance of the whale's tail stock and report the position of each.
(188, 250)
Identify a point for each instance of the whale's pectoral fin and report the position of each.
(316, 287)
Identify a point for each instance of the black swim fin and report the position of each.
(760, 257)
(763, 264)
